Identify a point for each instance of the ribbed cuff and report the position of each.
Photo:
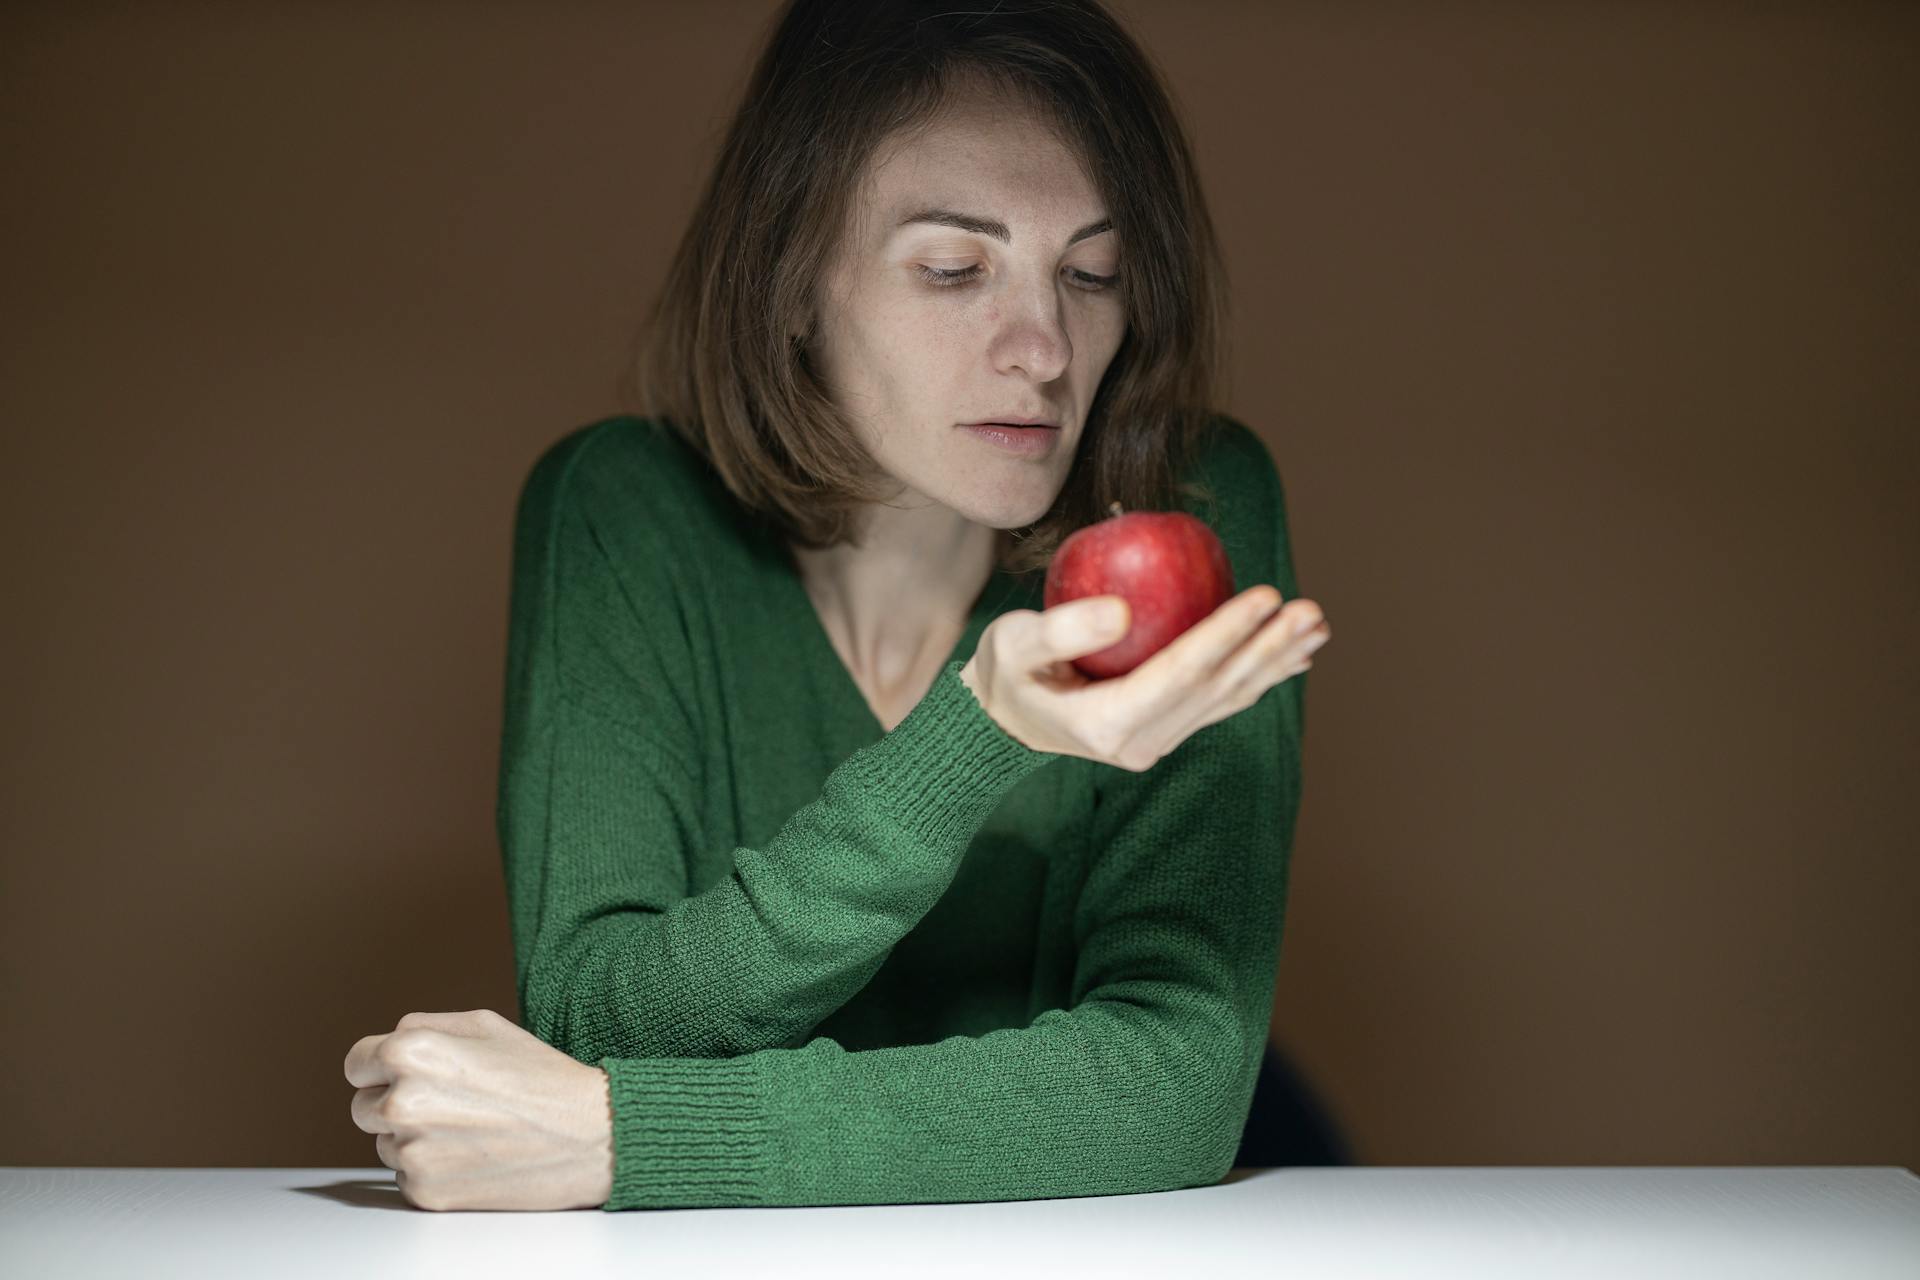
(687, 1133)
(947, 765)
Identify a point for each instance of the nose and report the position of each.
(1031, 335)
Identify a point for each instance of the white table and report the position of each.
(1812, 1223)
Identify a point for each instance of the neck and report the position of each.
(899, 601)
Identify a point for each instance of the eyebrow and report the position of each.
(989, 227)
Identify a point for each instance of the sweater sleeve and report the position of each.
(599, 809)
(1143, 1084)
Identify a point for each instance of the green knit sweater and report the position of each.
(823, 963)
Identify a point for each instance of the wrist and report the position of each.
(970, 678)
(596, 1161)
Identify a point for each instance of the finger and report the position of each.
(1275, 651)
(363, 1066)
(366, 1110)
(1232, 700)
(1078, 628)
(387, 1147)
(1271, 654)
(1196, 653)
(1308, 613)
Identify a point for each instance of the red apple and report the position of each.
(1169, 565)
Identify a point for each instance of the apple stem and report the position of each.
(1114, 507)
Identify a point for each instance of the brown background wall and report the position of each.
(1582, 333)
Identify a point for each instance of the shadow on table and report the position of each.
(361, 1193)
(1288, 1125)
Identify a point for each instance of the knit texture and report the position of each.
(824, 963)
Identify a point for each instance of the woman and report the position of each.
(816, 844)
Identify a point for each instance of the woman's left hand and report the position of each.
(472, 1112)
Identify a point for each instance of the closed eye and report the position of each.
(946, 279)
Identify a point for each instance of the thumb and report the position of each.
(1088, 625)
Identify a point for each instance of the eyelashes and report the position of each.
(947, 279)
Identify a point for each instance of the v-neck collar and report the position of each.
(1002, 590)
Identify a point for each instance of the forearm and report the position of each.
(1109, 1098)
(623, 966)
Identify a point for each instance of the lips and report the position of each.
(1014, 422)
(1024, 440)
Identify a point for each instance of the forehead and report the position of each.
(974, 152)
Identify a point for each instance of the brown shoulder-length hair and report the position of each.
(721, 357)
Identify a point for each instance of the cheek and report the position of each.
(932, 342)
(886, 343)
(1107, 331)
(950, 320)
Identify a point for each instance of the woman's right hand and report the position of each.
(1023, 675)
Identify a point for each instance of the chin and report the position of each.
(1000, 515)
(1003, 506)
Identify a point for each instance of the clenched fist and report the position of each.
(472, 1112)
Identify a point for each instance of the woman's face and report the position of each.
(1025, 330)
